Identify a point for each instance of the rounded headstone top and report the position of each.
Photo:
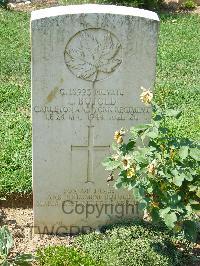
(95, 9)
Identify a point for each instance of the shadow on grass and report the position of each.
(3, 3)
(138, 238)
(172, 245)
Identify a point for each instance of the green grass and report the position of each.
(177, 84)
(64, 256)
(178, 71)
(15, 91)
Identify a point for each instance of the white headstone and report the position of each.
(88, 65)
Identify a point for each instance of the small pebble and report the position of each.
(11, 6)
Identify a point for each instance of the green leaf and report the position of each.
(143, 136)
(119, 183)
(155, 215)
(153, 134)
(183, 152)
(170, 219)
(130, 145)
(174, 200)
(149, 189)
(194, 202)
(142, 206)
(188, 209)
(198, 192)
(110, 164)
(114, 146)
(157, 117)
(6, 241)
(147, 150)
(139, 157)
(188, 177)
(162, 212)
(139, 128)
(190, 230)
(131, 185)
(178, 180)
(173, 113)
(195, 153)
(138, 193)
(164, 130)
(6, 263)
(196, 207)
(24, 259)
(192, 188)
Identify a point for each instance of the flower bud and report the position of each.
(110, 178)
(118, 137)
(151, 168)
(146, 96)
(155, 204)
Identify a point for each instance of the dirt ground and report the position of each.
(20, 224)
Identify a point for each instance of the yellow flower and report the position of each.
(118, 135)
(172, 153)
(151, 168)
(126, 161)
(146, 96)
(130, 172)
(119, 140)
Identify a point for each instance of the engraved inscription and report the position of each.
(87, 195)
(93, 54)
(106, 111)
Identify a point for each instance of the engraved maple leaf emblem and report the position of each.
(93, 54)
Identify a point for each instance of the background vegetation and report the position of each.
(15, 92)
(177, 86)
(147, 4)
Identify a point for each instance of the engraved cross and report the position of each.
(90, 153)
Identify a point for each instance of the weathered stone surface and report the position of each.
(88, 64)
